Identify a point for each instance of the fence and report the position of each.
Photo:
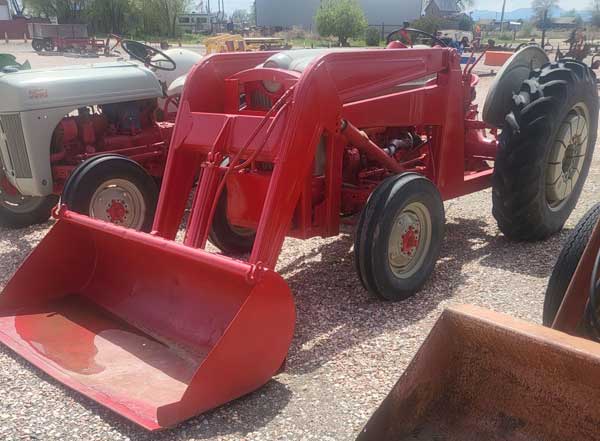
(385, 29)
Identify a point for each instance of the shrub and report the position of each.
(372, 37)
(343, 19)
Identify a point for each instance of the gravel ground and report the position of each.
(348, 350)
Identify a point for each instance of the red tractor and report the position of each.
(389, 139)
(291, 144)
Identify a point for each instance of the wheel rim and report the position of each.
(119, 202)
(567, 157)
(15, 202)
(409, 240)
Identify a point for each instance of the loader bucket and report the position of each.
(156, 331)
(485, 376)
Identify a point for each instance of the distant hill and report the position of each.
(522, 13)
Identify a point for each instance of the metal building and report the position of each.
(4, 11)
(290, 13)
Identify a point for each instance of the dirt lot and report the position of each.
(349, 348)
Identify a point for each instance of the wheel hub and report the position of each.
(567, 157)
(404, 239)
(409, 240)
(117, 211)
(120, 202)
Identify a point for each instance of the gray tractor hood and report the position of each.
(77, 86)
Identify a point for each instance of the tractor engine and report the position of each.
(360, 175)
(409, 146)
(128, 128)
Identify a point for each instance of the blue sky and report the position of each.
(232, 5)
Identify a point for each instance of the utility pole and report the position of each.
(502, 16)
(544, 19)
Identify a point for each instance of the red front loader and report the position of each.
(160, 330)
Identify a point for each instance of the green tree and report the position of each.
(430, 24)
(127, 17)
(372, 37)
(111, 16)
(465, 23)
(66, 11)
(147, 19)
(543, 8)
(543, 12)
(170, 10)
(252, 17)
(240, 16)
(343, 19)
(159, 17)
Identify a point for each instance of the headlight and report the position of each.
(272, 86)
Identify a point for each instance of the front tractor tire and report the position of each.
(114, 189)
(230, 239)
(399, 236)
(545, 151)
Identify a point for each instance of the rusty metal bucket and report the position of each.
(485, 376)
(156, 331)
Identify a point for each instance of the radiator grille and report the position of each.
(10, 124)
(259, 100)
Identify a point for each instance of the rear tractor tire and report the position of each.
(567, 262)
(114, 189)
(545, 151)
(399, 236)
(18, 211)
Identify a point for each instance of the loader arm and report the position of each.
(359, 86)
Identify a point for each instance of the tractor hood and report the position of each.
(77, 86)
(298, 60)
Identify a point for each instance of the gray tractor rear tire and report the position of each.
(567, 262)
(528, 203)
(30, 211)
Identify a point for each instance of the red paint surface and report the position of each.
(154, 330)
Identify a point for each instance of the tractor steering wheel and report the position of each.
(146, 54)
(404, 32)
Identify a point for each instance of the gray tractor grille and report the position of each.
(10, 124)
